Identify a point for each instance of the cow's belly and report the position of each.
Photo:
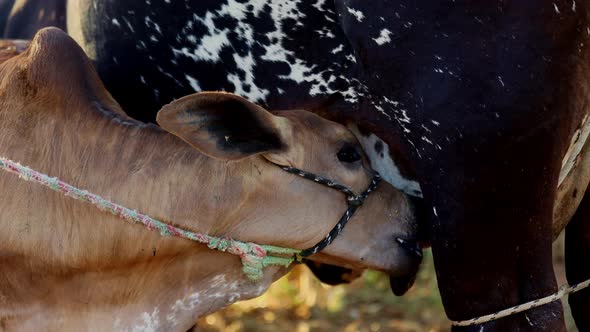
(573, 179)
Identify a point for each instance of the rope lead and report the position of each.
(254, 257)
(560, 294)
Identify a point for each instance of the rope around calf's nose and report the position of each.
(353, 201)
(563, 291)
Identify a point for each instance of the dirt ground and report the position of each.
(300, 303)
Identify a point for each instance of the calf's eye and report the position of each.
(349, 154)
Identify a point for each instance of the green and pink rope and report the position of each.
(254, 257)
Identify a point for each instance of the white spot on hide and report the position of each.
(338, 49)
(356, 13)
(149, 322)
(187, 304)
(319, 5)
(384, 37)
(385, 165)
(193, 83)
(247, 64)
(211, 43)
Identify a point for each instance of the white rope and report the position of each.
(563, 291)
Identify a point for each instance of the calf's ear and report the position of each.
(224, 126)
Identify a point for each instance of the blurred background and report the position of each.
(300, 303)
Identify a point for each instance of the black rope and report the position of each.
(353, 201)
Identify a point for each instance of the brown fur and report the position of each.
(66, 266)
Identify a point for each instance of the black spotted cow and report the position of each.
(479, 107)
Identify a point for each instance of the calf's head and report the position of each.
(274, 207)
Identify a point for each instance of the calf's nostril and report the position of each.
(410, 246)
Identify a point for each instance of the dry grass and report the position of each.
(300, 303)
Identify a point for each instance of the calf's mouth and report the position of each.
(400, 284)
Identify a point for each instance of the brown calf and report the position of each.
(66, 266)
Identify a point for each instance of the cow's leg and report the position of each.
(492, 235)
(577, 258)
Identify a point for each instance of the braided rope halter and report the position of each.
(353, 201)
(254, 257)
